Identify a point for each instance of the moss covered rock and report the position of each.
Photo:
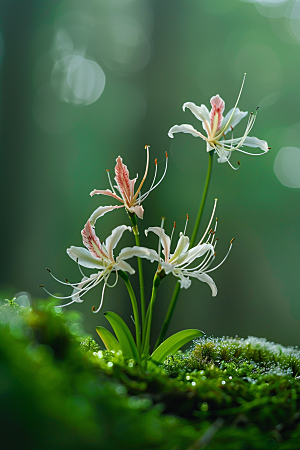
(59, 389)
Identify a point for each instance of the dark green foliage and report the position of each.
(59, 390)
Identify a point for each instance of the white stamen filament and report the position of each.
(224, 259)
(223, 129)
(210, 221)
(110, 183)
(144, 177)
(101, 301)
(144, 196)
(186, 222)
(159, 244)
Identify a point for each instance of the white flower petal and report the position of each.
(164, 238)
(138, 210)
(168, 268)
(184, 128)
(206, 279)
(194, 253)
(185, 282)
(112, 240)
(84, 258)
(201, 113)
(182, 246)
(99, 212)
(252, 141)
(140, 252)
(122, 265)
(237, 116)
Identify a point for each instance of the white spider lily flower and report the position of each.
(216, 126)
(131, 200)
(181, 261)
(97, 256)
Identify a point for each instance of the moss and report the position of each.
(223, 394)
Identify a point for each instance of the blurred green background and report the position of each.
(84, 82)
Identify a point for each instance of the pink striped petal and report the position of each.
(105, 192)
(218, 106)
(91, 241)
(125, 185)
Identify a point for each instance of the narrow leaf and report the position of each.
(108, 339)
(171, 345)
(123, 334)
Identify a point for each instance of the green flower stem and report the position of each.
(193, 238)
(134, 308)
(140, 266)
(146, 334)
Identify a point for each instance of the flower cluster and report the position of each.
(188, 261)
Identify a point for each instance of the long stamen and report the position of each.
(231, 115)
(109, 180)
(80, 270)
(145, 175)
(230, 247)
(145, 195)
(173, 229)
(210, 221)
(159, 244)
(153, 187)
(116, 280)
(186, 222)
(101, 301)
(59, 281)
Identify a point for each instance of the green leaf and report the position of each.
(108, 339)
(124, 335)
(171, 345)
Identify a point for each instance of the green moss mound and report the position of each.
(58, 389)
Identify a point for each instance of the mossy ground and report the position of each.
(59, 390)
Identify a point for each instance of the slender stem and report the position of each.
(193, 238)
(134, 308)
(204, 195)
(146, 335)
(140, 266)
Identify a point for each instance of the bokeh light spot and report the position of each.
(287, 167)
(78, 80)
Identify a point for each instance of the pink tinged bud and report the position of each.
(218, 106)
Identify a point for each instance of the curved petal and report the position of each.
(106, 192)
(125, 185)
(181, 247)
(200, 112)
(184, 128)
(140, 252)
(84, 258)
(194, 253)
(114, 238)
(206, 279)
(99, 212)
(164, 238)
(91, 241)
(185, 282)
(122, 265)
(168, 268)
(138, 210)
(237, 116)
(252, 141)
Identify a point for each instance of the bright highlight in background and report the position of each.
(287, 167)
